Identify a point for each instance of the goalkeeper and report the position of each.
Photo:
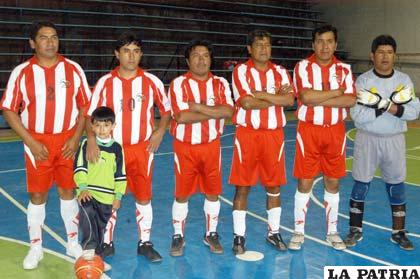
(385, 101)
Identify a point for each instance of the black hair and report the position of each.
(323, 29)
(382, 40)
(126, 38)
(257, 34)
(103, 114)
(37, 25)
(195, 43)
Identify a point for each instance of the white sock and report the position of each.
(331, 202)
(239, 222)
(179, 216)
(301, 207)
(70, 215)
(211, 210)
(144, 218)
(110, 227)
(35, 217)
(274, 215)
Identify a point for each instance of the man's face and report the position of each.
(102, 129)
(260, 50)
(129, 56)
(383, 59)
(199, 61)
(46, 43)
(324, 47)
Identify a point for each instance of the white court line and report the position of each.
(314, 238)
(12, 170)
(45, 227)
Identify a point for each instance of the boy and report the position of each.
(101, 185)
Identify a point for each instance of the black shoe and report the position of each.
(277, 241)
(146, 249)
(177, 246)
(107, 249)
(238, 245)
(355, 235)
(401, 239)
(212, 240)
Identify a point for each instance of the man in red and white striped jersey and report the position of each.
(261, 89)
(325, 89)
(200, 101)
(131, 93)
(44, 103)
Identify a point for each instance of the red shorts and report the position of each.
(320, 149)
(258, 155)
(139, 170)
(41, 175)
(197, 167)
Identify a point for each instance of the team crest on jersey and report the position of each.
(140, 97)
(65, 83)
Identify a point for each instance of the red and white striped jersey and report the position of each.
(132, 101)
(213, 91)
(48, 98)
(310, 75)
(245, 79)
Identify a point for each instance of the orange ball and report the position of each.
(89, 269)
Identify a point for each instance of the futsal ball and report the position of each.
(89, 269)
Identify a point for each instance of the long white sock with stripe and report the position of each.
(110, 227)
(70, 214)
(144, 218)
(301, 207)
(274, 215)
(239, 222)
(331, 202)
(36, 218)
(211, 210)
(179, 216)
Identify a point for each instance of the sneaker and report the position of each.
(212, 240)
(335, 241)
(34, 256)
(355, 235)
(238, 245)
(146, 249)
(88, 254)
(296, 241)
(277, 241)
(401, 239)
(74, 249)
(177, 246)
(108, 249)
(107, 267)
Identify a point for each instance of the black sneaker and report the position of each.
(355, 235)
(401, 239)
(277, 241)
(238, 245)
(146, 249)
(177, 246)
(108, 249)
(212, 240)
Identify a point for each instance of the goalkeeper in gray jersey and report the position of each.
(385, 101)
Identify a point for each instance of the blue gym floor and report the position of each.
(198, 262)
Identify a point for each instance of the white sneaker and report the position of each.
(296, 241)
(74, 249)
(88, 254)
(335, 241)
(34, 256)
(107, 267)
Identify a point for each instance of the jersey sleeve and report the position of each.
(240, 85)
(12, 97)
(176, 97)
(225, 94)
(83, 93)
(160, 97)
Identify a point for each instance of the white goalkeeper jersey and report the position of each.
(386, 123)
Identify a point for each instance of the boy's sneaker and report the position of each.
(296, 241)
(108, 249)
(177, 246)
(238, 245)
(212, 240)
(74, 249)
(34, 256)
(355, 235)
(401, 239)
(146, 249)
(277, 241)
(335, 240)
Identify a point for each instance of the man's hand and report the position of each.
(284, 89)
(39, 150)
(84, 196)
(92, 150)
(69, 148)
(116, 204)
(155, 141)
